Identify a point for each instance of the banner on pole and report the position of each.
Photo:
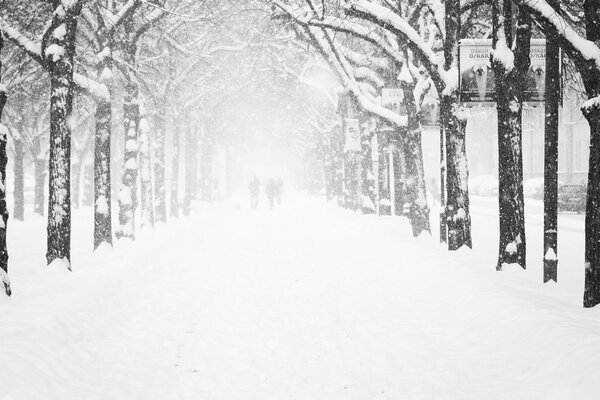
(351, 135)
(391, 98)
(477, 77)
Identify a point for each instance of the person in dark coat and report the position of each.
(271, 189)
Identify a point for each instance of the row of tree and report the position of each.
(128, 79)
(413, 45)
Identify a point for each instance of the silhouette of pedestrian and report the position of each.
(254, 188)
(271, 189)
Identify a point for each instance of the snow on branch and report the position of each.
(388, 19)
(341, 66)
(549, 16)
(34, 50)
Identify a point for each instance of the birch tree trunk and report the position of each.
(509, 90)
(552, 96)
(59, 50)
(159, 168)
(3, 208)
(19, 191)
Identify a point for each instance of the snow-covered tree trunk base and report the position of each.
(128, 189)
(102, 185)
(591, 295)
(351, 181)
(419, 209)
(366, 176)
(510, 182)
(59, 177)
(457, 214)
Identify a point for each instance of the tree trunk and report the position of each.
(552, 95)
(458, 216)
(509, 91)
(591, 78)
(102, 185)
(39, 164)
(399, 175)
(174, 201)
(443, 226)
(61, 104)
(367, 177)
(159, 169)
(147, 198)
(416, 189)
(591, 295)
(19, 191)
(3, 208)
(128, 190)
(191, 168)
(205, 175)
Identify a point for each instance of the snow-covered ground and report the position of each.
(308, 301)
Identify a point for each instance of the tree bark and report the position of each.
(19, 190)
(552, 95)
(174, 201)
(591, 78)
(159, 168)
(457, 213)
(61, 104)
(39, 164)
(3, 208)
(147, 198)
(416, 189)
(102, 184)
(128, 190)
(191, 168)
(509, 91)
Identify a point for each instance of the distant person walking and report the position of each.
(254, 188)
(278, 190)
(271, 189)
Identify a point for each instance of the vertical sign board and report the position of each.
(391, 98)
(351, 135)
(477, 77)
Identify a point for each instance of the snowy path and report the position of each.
(306, 302)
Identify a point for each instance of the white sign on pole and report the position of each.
(391, 98)
(352, 135)
(477, 76)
